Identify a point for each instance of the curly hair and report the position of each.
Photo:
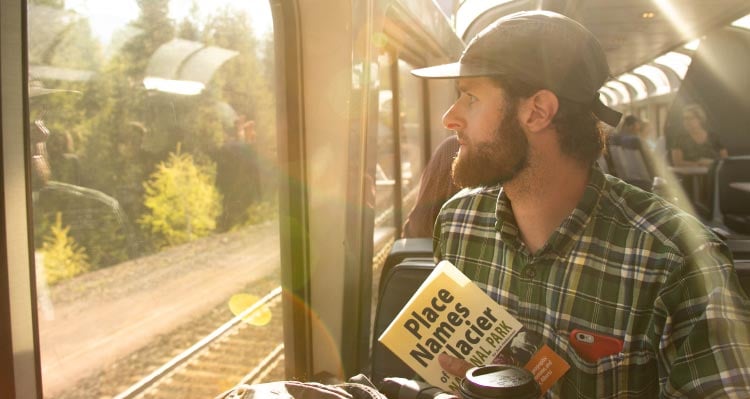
(581, 134)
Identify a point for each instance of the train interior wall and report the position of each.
(718, 81)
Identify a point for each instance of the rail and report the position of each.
(148, 381)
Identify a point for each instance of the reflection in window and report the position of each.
(152, 132)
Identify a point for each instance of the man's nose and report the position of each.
(451, 120)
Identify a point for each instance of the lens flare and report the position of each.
(239, 303)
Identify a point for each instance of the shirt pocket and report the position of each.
(628, 374)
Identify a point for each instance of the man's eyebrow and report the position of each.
(465, 87)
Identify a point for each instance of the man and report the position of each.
(629, 133)
(564, 247)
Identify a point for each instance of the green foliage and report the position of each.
(120, 132)
(182, 201)
(260, 212)
(63, 257)
(95, 220)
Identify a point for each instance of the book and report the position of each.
(450, 314)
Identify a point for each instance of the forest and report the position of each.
(121, 166)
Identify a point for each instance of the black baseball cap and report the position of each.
(541, 48)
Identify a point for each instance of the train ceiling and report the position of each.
(632, 32)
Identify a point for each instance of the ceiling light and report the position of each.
(648, 15)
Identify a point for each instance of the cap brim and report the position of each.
(445, 71)
(605, 113)
(452, 71)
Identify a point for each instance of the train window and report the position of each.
(153, 156)
(412, 133)
(678, 62)
(387, 157)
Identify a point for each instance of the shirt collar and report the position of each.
(563, 238)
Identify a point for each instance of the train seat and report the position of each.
(730, 206)
(629, 163)
(406, 248)
(397, 286)
(742, 266)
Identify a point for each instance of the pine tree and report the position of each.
(182, 200)
(63, 257)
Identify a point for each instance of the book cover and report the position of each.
(451, 314)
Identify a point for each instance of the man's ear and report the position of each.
(537, 111)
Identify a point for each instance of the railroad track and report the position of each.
(237, 352)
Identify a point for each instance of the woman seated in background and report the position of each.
(435, 187)
(696, 146)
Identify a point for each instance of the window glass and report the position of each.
(657, 77)
(153, 156)
(636, 84)
(385, 173)
(412, 129)
(620, 89)
(610, 96)
(677, 62)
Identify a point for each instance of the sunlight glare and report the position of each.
(677, 62)
(469, 10)
(672, 13)
(106, 17)
(693, 44)
(239, 304)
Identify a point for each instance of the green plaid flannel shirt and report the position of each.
(625, 264)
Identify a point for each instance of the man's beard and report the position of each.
(496, 161)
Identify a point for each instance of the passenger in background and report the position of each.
(435, 187)
(63, 159)
(696, 146)
(564, 247)
(237, 173)
(94, 220)
(629, 134)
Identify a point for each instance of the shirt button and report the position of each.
(530, 272)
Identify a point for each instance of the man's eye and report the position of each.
(472, 99)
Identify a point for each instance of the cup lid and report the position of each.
(500, 381)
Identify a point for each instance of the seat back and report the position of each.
(630, 165)
(730, 206)
(603, 165)
(742, 266)
(397, 287)
(405, 248)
